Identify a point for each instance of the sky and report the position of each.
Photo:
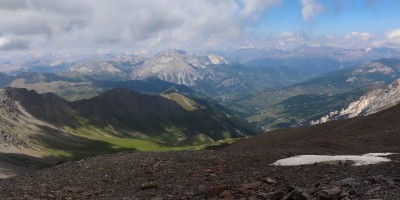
(118, 25)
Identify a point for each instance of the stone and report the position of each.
(344, 194)
(226, 195)
(276, 195)
(156, 198)
(270, 180)
(375, 180)
(252, 185)
(352, 192)
(216, 191)
(148, 185)
(332, 193)
(210, 171)
(252, 198)
(262, 195)
(373, 190)
(297, 194)
(347, 181)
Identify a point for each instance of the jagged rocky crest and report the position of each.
(372, 102)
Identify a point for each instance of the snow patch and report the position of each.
(366, 159)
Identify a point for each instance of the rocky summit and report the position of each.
(204, 175)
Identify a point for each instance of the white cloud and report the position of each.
(289, 39)
(130, 23)
(255, 8)
(393, 37)
(352, 40)
(12, 43)
(154, 24)
(4, 41)
(358, 35)
(310, 8)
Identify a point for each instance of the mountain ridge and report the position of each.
(35, 126)
(370, 103)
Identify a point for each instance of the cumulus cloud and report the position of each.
(4, 41)
(393, 35)
(362, 40)
(392, 38)
(358, 35)
(255, 8)
(310, 8)
(289, 39)
(130, 23)
(136, 24)
(7, 43)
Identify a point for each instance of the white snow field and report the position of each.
(358, 160)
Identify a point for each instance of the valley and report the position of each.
(264, 93)
(44, 129)
(251, 89)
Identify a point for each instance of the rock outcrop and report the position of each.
(374, 101)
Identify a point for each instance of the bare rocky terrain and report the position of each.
(211, 174)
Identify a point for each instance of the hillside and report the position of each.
(241, 170)
(378, 132)
(312, 99)
(5, 80)
(73, 89)
(372, 102)
(36, 125)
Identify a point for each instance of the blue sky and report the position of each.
(103, 25)
(336, 18)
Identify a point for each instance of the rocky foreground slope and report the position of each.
(240, 171)
(204, 175)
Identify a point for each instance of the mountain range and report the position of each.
(219, 73)
(40, 125)
(316, 97)
(269, 94)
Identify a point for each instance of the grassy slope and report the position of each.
(102, 143)
(183, 101)
(105, 139)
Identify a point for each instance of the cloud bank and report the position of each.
(166, 23)
(153, 24)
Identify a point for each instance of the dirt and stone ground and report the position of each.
(208, 174)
